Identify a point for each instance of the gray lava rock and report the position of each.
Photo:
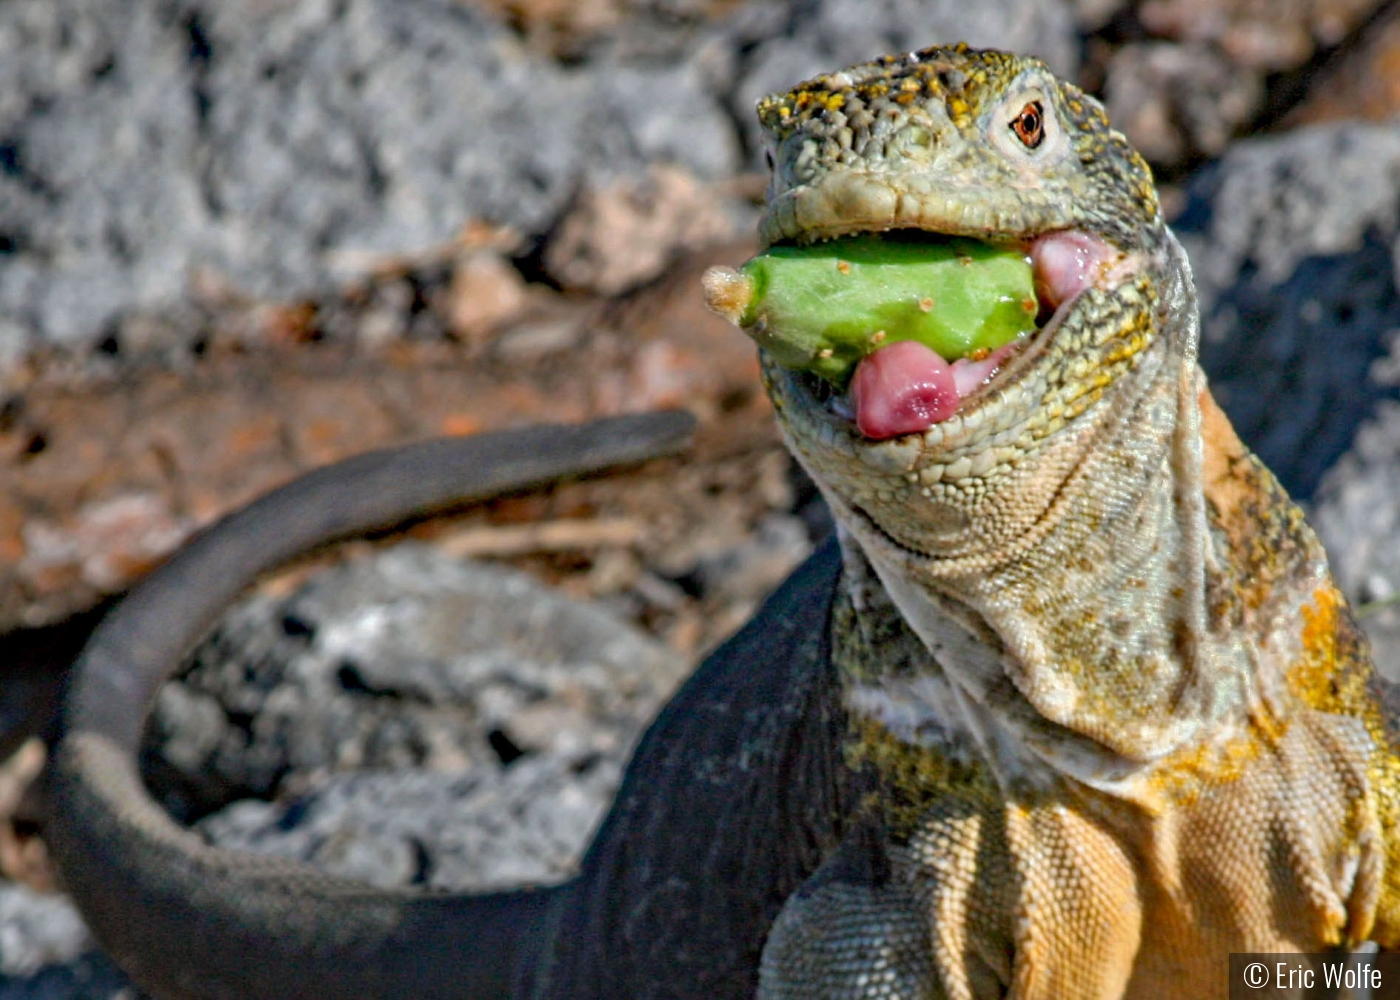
(1292, 240)
(273, 143)
(276, 147)
(746, 574)
(412, 660)
(489, 828)
(47, 954)
(36, 930)
(1179, 100)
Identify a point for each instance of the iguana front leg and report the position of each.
(1117, 713)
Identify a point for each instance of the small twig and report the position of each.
(551, 536)
(23, 858)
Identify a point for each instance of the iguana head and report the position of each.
(951, 140)
(987, 145)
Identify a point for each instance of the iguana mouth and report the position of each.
(906, 388)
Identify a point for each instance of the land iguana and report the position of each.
(1075, 711)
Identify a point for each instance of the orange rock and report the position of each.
(1362, 83)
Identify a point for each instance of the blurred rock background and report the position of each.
(242, 239)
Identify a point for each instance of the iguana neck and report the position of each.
(1083, 640)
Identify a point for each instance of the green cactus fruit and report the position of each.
(823, 307)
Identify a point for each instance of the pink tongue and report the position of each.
(1066, 263)
(901, 389)
(906, 388)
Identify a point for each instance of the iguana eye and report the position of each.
(1029, 125)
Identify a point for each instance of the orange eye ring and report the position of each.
(1029, 125)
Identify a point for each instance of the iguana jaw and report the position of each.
(921, 488)
(906, 389)
(846, 203)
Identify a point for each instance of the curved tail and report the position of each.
(193, 922)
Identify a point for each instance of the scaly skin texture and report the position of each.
(1076, 712)
(1119, 718)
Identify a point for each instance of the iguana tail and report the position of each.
(189, 921)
